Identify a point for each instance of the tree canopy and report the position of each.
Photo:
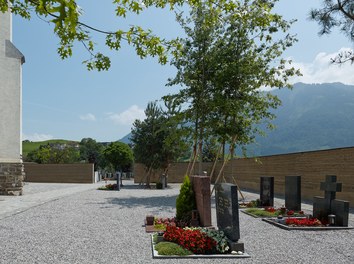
(223, 66)
(91, 151)
(336, 14)
(54, 154)
(119, 155)
(66, 16)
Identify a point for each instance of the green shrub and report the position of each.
(159, 185)
(169, 248)
(185, 201)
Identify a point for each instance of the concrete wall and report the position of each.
(312, 166)
(60, 173)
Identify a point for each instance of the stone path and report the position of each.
(80, 224)
(35, 194)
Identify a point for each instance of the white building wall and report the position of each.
(10, 95)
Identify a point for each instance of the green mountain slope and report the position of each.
(312, 117)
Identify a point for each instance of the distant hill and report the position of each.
(312, 117)
(126, 139)
(28, 146)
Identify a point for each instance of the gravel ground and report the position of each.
(107, 227)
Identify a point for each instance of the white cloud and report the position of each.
(128, 116)
(37, 137)
(320, 70)
(88, 117)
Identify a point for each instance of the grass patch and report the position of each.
(261, 212)
(169, 248)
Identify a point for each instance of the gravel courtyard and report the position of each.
(92, 226)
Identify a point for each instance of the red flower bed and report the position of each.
(191, 239)
(303, 222)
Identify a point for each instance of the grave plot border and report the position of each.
(267, 217)
(304, 228)
(156, 255)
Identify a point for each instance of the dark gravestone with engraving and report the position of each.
(267, 191)
(322, 207)
(227, 215)
(293, 193)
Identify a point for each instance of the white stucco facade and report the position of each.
(10, 94)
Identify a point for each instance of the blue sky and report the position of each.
(61, 99)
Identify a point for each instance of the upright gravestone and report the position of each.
(11, 60)
(227, 215)
(293, 193)
(201, 188)
(267, 191)
(324, 206)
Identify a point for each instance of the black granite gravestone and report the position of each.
(267, 191)
(340, 209)
(322, 207)
(293, 193)
(119, 181)
(227, 215)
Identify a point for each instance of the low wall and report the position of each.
(311, 166)
(60, 173)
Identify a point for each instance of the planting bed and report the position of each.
(155, 254)
(283, 225)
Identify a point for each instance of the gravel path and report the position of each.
(106, 227)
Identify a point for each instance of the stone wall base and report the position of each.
(11, 178)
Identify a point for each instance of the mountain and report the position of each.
(312, 117)
(126, 139)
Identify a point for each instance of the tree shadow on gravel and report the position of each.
(165, 202)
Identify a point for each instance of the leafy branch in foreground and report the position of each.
(336, 14)
(65, 16)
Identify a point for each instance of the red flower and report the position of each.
(290, 212)
(270, 209)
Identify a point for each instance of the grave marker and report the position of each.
(324, 206)
(227, 214)
(267, 191)
(293, 193)
(201, 188)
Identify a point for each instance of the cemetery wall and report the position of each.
(313, 166)
(60, 173)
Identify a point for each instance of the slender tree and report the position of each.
(157, 140)
(224, 64)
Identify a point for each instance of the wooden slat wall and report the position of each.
(312, 166)
(59, 173)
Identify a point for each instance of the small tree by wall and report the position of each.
(119, 155)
